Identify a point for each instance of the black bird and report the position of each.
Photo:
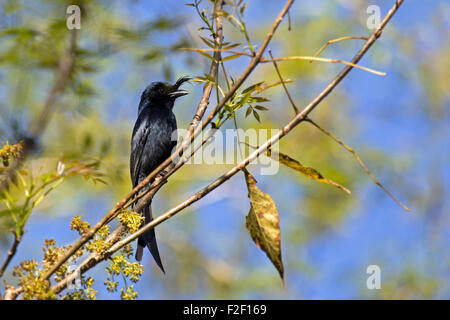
(151, 144)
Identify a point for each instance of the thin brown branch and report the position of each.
(289, 20)
(11, 252)
(204, 101)
(335, 41)
(217, 50)
(293, 58)
(282, 82)
(361, 163)
(379, 73)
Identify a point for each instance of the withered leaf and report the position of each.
(263, 223)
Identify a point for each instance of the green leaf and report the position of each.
(208, 76)
(261, 108)
(231, 46)
(206, 55)
(209, 43)
(256, 115)
(304, 170)
(234, 56)
(243, 8)
(249, 110)
(9, 211)
(263, 223)
(223, 13)
(253, 87)
(259, 99)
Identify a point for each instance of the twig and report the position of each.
(217, 50)
(11, 252)
(334, 41)
(282, 82)
(351, 64)
(292, 58)
(289, 20)
(361, 163)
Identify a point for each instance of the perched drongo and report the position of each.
(152, 143)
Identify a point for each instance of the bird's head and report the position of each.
(162, 94)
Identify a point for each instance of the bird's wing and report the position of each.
(138, 141)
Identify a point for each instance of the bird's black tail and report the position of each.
(148, 240)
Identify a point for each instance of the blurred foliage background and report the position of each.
(398, 124)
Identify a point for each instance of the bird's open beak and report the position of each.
(178, 93)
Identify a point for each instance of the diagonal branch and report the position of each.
(292, 58)
(11, 253)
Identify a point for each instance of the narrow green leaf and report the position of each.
(253, 87)
(256, 115)
(249, 110)
(223, 13)
(208, 76)
(243, 8)
(260, 108)
(206, 55)
(209, 43)
(234, 56)
(231, 46)
(260, 99)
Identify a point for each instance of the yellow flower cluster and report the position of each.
(81, 226)
(129, 270)
(99, 243)
(34, 288)
(131, 220)
(10, 150)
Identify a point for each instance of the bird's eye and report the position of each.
(161, 90)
